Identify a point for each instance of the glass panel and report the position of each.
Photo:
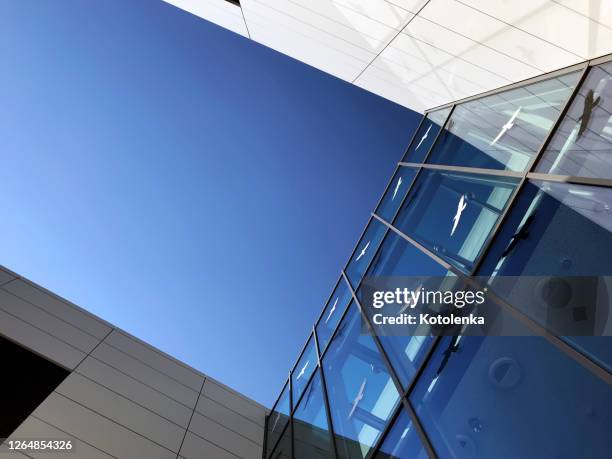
(425, 136)
(397, 257)
(303, 369)
(582, 145)
(395, 193)
(332, 313)
(362, 395)
(510, 397)
(557, 229)
(278, 418)
(402, 441)
(452, 214)
(283, 449)
(365, 251)
(311, 435)
(505, 130)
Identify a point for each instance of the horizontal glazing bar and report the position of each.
(570, 179)
(517, 84)
(580, 358)
(470, 170)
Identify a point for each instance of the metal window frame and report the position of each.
(526, 175)
(403, 401)
(294, 367)
(515, 85)
(326, 398)
(580, 358)
(266, 439)
(342, 278)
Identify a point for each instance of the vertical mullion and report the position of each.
(477, 264)
(420, 169)
(398, 209)
(433, 144)
(376, 448)
(532, 164)
(344, 278)
(421, 432)
(325, 396)
(404, 394)
(423, 118)
(290, 425)
(387, 187)
(534, 161)
(273, 446)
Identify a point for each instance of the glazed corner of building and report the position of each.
(73, 377)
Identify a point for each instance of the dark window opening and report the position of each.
(27, 379)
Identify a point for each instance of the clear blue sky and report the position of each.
(186, 184)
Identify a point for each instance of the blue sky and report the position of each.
(186, 184)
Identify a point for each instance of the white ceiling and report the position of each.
(422, 53)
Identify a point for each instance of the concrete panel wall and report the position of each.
(123, 398)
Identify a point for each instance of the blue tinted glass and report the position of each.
(311, 436)
(278, 418)
(303, 369)
(365, 251)
(402, 441)
(582, 145)
(397, 257)
(511, 397)
(283, 448)
(362, 395)
(332, 313)
(504, 130)
(452, 214)
(425, 136)
(395, 193)
(557, 229)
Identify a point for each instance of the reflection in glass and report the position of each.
(395, 193)
(365, 251)
(332, 313)
(452, 214)
(557, 229)
(283, 449)
(511, 397)
(402, 441)
(311, 434)
(303, 369)
(397, 257)
(505, 130)
(425, 136)
(582, 145)
(361, 392)
(278, 418)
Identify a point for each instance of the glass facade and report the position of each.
(304, 368)
(312, 438)
(515, 183)
(361, 391)
(278, 419)
(402, 442)
(503, 131)
(582, 145)
(452, 214)
(330, 317)
(426, 135)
